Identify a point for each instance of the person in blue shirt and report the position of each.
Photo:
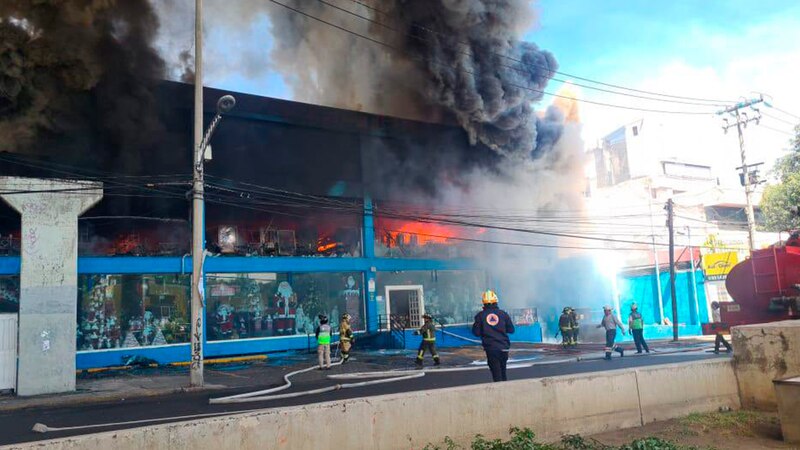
(493, 325)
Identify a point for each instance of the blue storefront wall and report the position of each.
(643, 290)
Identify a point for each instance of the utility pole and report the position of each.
(694, 277)
(742, 120)
(671, 228)
(198, 213)
(655, 257)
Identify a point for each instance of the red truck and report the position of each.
(764, 287)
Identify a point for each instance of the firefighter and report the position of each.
(565, 327)
(428, 333)
(323, 333)
(346, 337)
(636, 328)
(573, 322)
(719, 327)
(610, 324)
(493, 325)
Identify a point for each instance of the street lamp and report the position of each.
(224, 104)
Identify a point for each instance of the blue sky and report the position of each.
(620, 41)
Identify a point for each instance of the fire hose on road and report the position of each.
(383, 377)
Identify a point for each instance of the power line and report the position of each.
(528, 88)
(779, 119)
(776, 130)
(786, 112)
(714, 102)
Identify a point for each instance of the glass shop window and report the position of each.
(125, 311)
(9, 294)
(258, 305)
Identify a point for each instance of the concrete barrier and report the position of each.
(584, 403)
(698, 387)
(763, 353)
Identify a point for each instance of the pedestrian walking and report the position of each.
(428, 333)
(610, 323)
(493, 325)
(323, 333)
(636, 327)
(719, 327)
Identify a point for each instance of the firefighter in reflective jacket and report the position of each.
(346, 337)
(565, 327)
(428, 333)
(576, 328)
(493, 325)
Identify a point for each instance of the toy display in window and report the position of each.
(255, 309)
(224, 321)
(285, 309)
(100, 328)
(352, 297)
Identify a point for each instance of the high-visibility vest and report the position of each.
(324, 337)
(636, 322)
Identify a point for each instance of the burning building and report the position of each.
(304, 216)
(309, 209)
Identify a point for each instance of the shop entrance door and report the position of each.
(405, 303)
(8, 352)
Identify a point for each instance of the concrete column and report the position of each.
(48, 278)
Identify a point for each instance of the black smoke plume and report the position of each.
(462, 57)
(77, 75)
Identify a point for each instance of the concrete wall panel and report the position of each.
(763, 353)
(686, 388)
(587, 403)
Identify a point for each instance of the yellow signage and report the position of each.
(717, 265)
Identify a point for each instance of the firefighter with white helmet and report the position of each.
(493, 325)
(610, 323)
(323, 333)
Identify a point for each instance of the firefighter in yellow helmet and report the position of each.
(346, 337)
(493, 325)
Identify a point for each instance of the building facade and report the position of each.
(306, 214)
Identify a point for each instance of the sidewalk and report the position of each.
(261, 372)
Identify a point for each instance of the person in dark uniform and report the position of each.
(428, 333)
(565, 327)
(576, 328)
(493, 325)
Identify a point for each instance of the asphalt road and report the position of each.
(15, 427)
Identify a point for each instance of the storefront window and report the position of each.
(124, 311)
(450, 296)
(255, 305)
(9, 294)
